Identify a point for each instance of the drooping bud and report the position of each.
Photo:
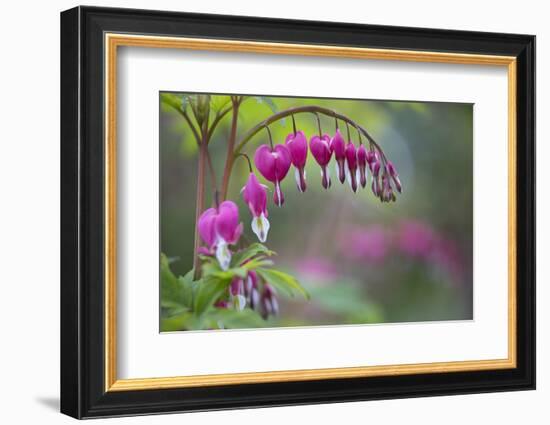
(251, 289)
(351, 166)
(395, 177)
(297, 145)
(362, 164)
(338, 147)
(387, 194)
(268, 302)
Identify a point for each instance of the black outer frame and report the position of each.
(82, 219)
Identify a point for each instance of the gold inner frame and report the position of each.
(113, 41)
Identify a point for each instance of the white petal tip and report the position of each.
(223, 255)
(260, 227)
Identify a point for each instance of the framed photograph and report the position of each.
(261, 212)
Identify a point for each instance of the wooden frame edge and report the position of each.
(114, 40)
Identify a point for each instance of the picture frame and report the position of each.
(90, 40)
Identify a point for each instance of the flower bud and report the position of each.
(338, 147)
(297, 145)
(395, 177)
(362, 164)
(351, 166)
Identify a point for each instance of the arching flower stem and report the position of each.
(309, 109)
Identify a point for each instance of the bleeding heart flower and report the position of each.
(351, 166)
(362, 164)
(255, 196)
(338, 147)
(297, 145)
(273, 164)
(219, 228)
(320, 149)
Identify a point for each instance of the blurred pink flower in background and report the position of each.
(418, 239)
(415, 238)
(447, 256)
(317, 267)
(370, 243)
(412, 238)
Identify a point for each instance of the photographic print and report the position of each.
(326, 200)
(291, 211)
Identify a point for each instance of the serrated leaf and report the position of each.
(175, 291)
(188, 287)
(170, 287)
(282, 281)
(209, 289)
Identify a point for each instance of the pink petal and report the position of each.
(265, 162)
(207, 226)
(337, 145)
(227, 221)
(297, 144)
(282, 161)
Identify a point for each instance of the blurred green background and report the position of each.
(362, 261)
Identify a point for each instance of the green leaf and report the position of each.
(188, 287)
(233, 319)
(209, 289)
(260, 261)
(178, 102)
(169, 285)
(184, 103)
(246, 254)
(218, 102)
(172, 100)
(271, 104)
(180, 322)
(211, 268)
(282, 281)
(175, 292)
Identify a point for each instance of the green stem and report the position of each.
(230, 159)
(199, 208)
